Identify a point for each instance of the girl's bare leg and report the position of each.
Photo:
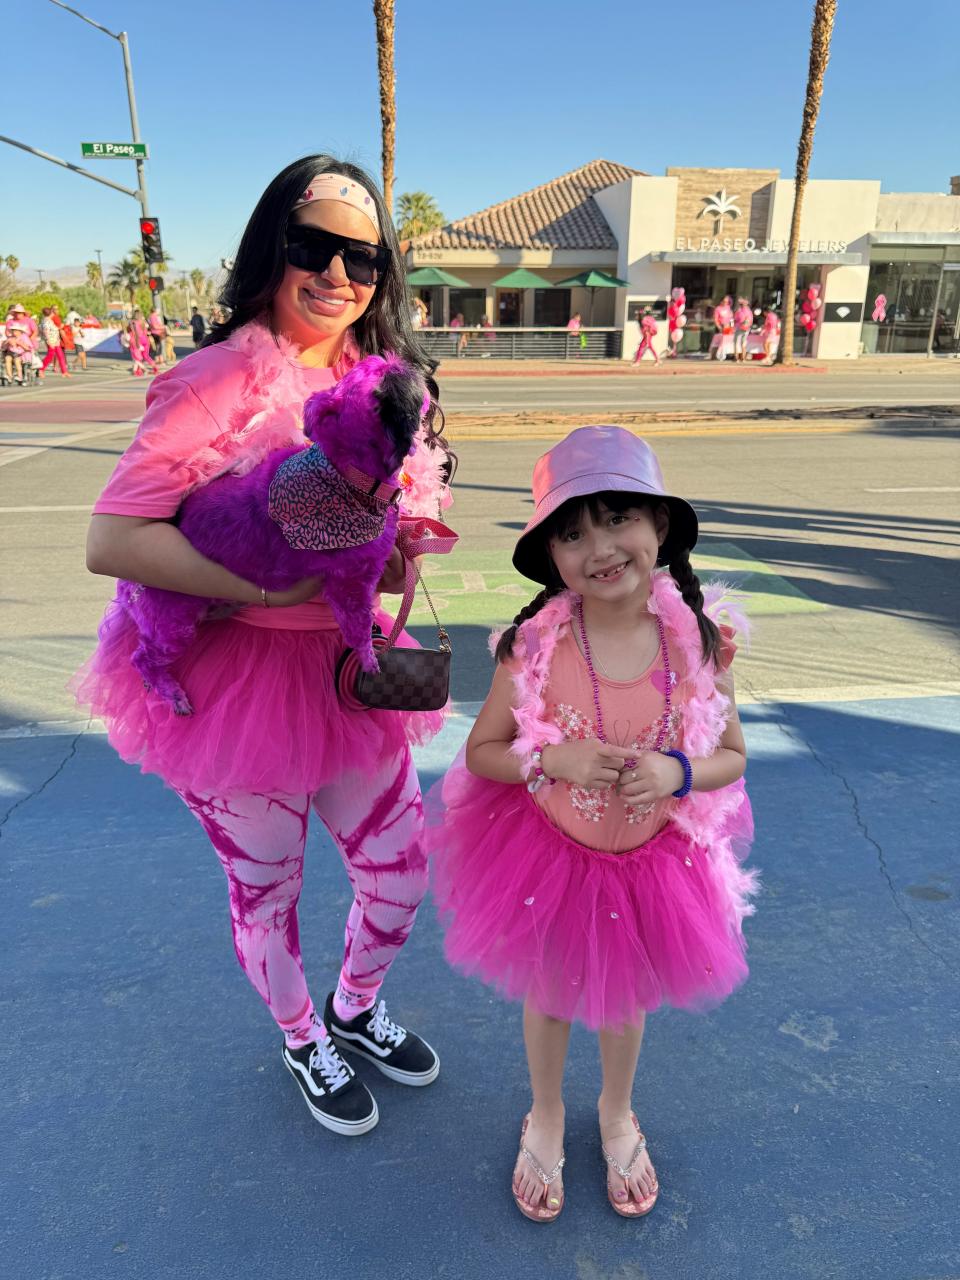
(546, 1040)
(619, 1055)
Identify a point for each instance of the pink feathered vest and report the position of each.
(702, 815)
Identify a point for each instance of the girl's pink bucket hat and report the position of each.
(598, 460)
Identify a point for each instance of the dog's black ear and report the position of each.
(401, 395)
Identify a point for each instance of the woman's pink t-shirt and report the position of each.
(188, 409)
(743, 317)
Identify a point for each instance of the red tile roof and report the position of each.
(560, 214)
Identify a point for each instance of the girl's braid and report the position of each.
(682, 573)
(505, 644)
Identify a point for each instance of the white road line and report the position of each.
(19, 455)
(5, 511)
(930, 488)
(716, 403)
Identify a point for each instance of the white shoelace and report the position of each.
(385, 1031)
(328, 1062)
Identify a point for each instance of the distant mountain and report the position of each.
(65, 276)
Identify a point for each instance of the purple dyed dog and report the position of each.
(326, 510)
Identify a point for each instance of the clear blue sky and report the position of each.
(492, 98)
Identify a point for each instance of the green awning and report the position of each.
(432, 276)
(592, 280)
(521, 278)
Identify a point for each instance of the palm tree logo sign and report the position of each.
(721, 206)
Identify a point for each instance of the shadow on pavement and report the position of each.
(805, 1129)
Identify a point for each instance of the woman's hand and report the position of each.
(654, 777)
(593, 764)
(394, 575)
(299, 593)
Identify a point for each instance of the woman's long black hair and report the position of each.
(678, 562)
(261, 261)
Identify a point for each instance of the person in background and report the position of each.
(17, 348)
(50, 332)
(489, 333)
(771, 335)
(156, 330)
(742, 324)
(723, 320)
(138, 344)
(169, 349)
(462, 339)
(68, 340)
(198, 325)
(648, 331)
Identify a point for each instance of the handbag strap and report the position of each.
(412, 576)
(419, 536)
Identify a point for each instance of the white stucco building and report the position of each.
(716, 232)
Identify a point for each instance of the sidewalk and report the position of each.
(806, 1129)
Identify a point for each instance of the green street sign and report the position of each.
(114, 150)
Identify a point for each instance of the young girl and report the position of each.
(588, 854)
(317, 282)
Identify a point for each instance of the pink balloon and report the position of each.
(681, 320)
(676, 335)
(817, 304)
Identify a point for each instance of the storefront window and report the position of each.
(552, 307)
(908, 279)
(468, 302)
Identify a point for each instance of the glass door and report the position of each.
(946, 329)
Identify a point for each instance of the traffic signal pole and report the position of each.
(134, 122)
(141, 192)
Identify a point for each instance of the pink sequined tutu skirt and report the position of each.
(588, 936)
(266, 714)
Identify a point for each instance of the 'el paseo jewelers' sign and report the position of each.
(731, 244)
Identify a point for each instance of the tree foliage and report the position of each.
(417, 213)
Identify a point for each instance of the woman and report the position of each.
(137, 341)
(317, 282)
(50, 332)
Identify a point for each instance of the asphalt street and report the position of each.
(808, 1129)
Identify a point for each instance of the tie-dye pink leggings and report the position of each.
(375, 819)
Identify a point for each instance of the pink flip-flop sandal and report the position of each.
(547, 1211)
(630, 1208)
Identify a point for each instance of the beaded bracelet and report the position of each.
(539, 777)
(687, 773)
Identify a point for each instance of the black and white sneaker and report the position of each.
(336, 1098)
(398, 1053)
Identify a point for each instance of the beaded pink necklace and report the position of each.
(595, 683)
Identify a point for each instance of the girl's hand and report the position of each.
(593, 764)
(654, 777)
(300, 592)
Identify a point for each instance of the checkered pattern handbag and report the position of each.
(408, 679)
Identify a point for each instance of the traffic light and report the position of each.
(150, 239)
(155, 284)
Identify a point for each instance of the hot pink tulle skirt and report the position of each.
(266, 715)
(587, 936)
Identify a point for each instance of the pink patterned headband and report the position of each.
(336, 186)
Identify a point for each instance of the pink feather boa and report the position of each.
(703, 815)
(268, 415)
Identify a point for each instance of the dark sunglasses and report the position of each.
(311, 249)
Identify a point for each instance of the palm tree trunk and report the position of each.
(384, 14)
(824, 13)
